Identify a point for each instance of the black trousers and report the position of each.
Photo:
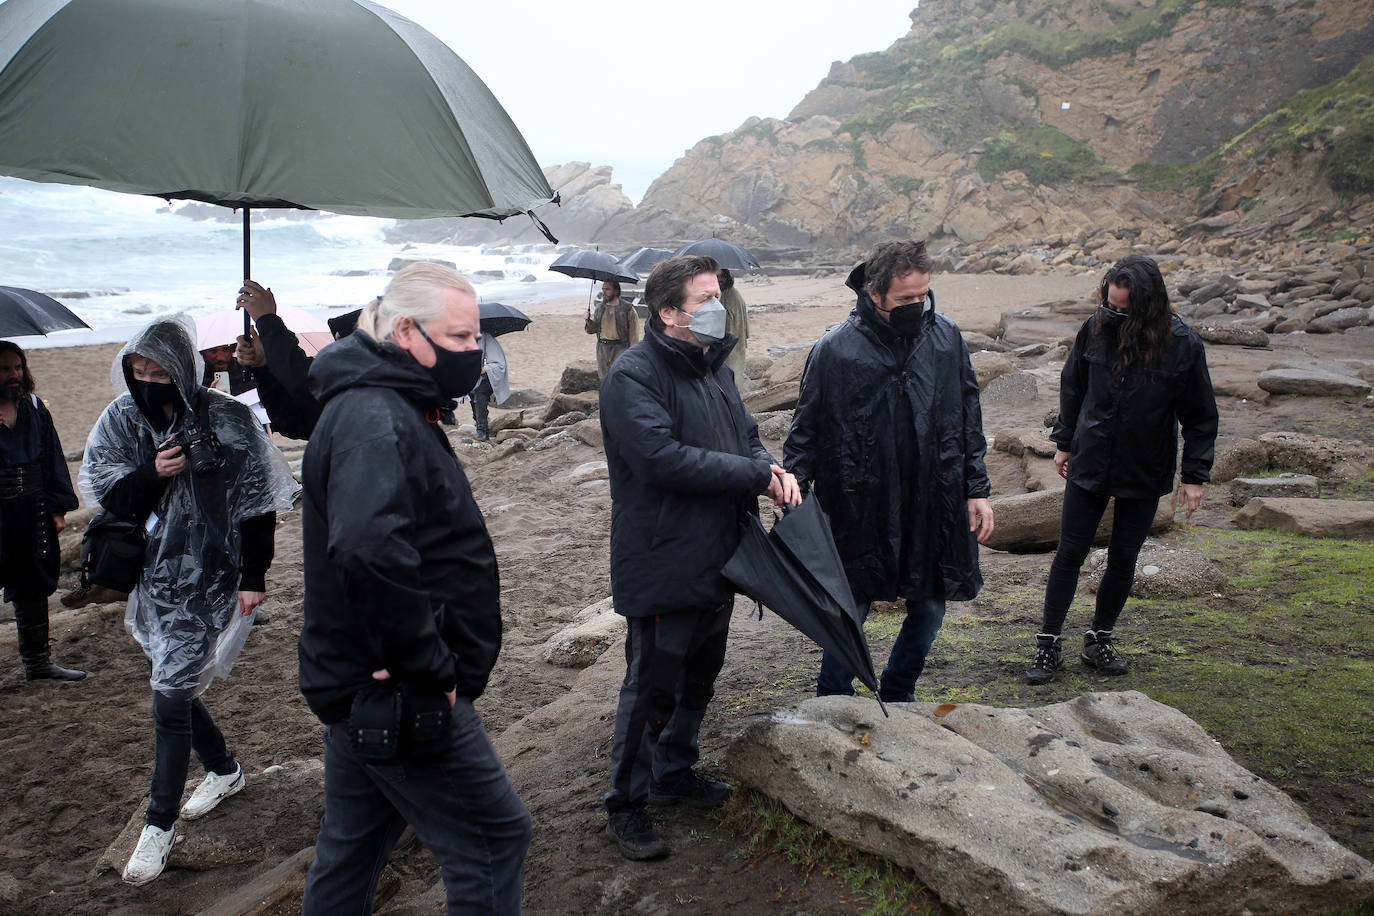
(671, 663)
(182, 724)
(481, 398)
(1083, 511)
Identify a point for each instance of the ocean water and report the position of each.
(118, 259)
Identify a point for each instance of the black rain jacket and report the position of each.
(1122, 429)
(283, 384)
(888, 434)
(399, 569)
(29, 549)
(685, 465)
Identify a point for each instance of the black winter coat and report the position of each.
(29, 550)
(399, 569)
(283, 384)
(686, 465)
(1122, 430)
(888, 434)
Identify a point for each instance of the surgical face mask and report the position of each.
(456, 372)
(708, 322)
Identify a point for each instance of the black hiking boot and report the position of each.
(1099, 652)
(1049, 655)
(691, 788)
(634, 833)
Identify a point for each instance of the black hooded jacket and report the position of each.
(685, 465)
(1122, 428)
(888, 434)
(399, 569)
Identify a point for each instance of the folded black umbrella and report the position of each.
(795, 570)
(24, 312)
(499, 318)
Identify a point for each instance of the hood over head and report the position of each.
(359, 361)
(170, 342)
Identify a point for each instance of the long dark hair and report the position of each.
(1143, 335)
(9, 346)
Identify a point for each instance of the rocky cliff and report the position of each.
(1038, 121)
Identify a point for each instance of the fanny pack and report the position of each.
(390, 724)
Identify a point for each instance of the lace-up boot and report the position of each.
(1099, 652)
(1049, 655)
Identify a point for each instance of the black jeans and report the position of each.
(460, 802)
(181, 724)
(671, 663)
(1083, 511)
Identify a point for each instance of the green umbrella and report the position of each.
(338, 105)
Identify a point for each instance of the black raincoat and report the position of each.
(31, 453)
(1122, 429)
(399, 569)
(888, 434)
(685, 465)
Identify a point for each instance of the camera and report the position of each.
(200, 446)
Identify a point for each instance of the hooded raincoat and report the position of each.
(888, 434)
(185, 610)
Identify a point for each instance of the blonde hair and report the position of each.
(415, 293)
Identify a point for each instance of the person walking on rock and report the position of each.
(686, 465)
(888, 433)
(1135, 375)
(35, 496)
(196, 468)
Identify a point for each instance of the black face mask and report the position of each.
(156, 395)
(456, 372)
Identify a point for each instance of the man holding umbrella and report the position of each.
(888, 433)
(614, 324)
(686, 467)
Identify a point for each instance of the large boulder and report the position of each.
(1235, 459)
(1029, 522)
(1109, 802)
(1323, 518)
(585, 403)
(1303, 486)
(988, 365)
(1232, 334)
(1311, 383)
(579, 376)
(1162, 572)
(1319, 455)
(581, 643)
(1011, 388)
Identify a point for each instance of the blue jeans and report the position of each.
(461, 804)
(904, 664)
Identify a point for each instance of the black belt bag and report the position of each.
(112, 549)
(389, 724)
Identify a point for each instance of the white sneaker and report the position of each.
(150, 856)
(213, 790)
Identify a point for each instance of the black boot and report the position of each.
(31, 620)
(1099, 652)
(480, 413)
(1049, 655)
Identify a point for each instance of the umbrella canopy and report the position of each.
(338, 105)
(796, 571)
(24, 312)
(498, 319)
(220, 328)
(643, 260)
(592, 265)
(727, 254)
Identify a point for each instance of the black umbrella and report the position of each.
(727, 254)
(498, 319)
(796, 571)
(643, 260)
(24, 312)
(593, 265)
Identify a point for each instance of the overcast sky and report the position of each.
(634, 84)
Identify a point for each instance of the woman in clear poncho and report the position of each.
(210, 511)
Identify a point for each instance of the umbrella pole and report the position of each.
(247, 262)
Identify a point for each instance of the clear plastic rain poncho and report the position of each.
(185, 610)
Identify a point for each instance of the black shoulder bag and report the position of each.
(112, 549)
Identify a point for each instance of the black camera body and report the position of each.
(201, 447)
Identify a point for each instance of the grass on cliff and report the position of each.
(1278, 666)
(1047, 155)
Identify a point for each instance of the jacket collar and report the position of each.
(867, 310)
(688, 357)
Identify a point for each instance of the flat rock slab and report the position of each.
(1244, 489)
(1162, 572)
(1323, 518)
(1029, 522)
(1311, 383)
(1108, 803)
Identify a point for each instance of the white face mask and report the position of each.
(707, 322)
